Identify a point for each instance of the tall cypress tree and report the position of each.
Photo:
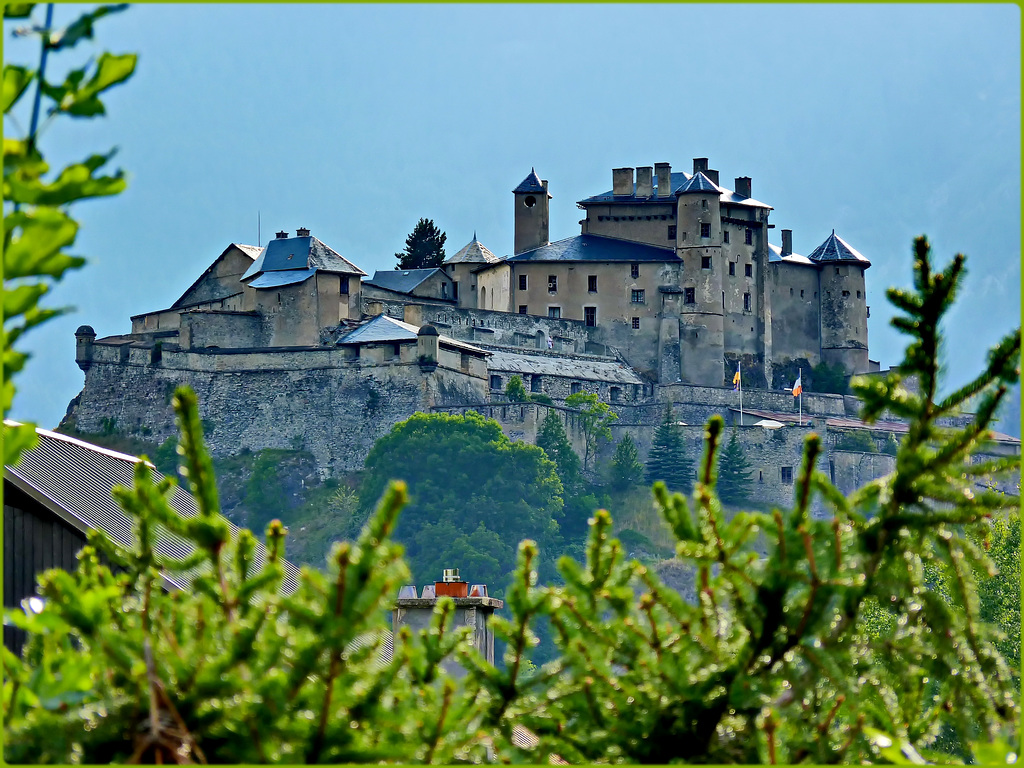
(733, 473)
(667, 460)
(424, 247)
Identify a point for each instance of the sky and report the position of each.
(881, 122)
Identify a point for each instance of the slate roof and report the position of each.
(571, 368)
(595, 248)
(252, 251)
(698, 183)
(678, 181)
(295, 253)
(400, 280)
(73, 479)
(278, 279)
(474, 253)
(384, 329)
(836, 249)
(775, 255)
(530, 184)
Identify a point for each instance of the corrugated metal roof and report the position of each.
(572, 368)
(836, 249)
(277, 279)
(475, 252)
(74, 479)
(678, 181)
(530, 184)
(595, 248)
(401, 280)
(775, 255)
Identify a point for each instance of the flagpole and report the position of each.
(800, 378)
(741, 393)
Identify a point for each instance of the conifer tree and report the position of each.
(424, 247)
(626, 470)
(667, 460)
(734, 483)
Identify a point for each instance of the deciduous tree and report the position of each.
(596, 420)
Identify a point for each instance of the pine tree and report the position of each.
(734, 483)
(626, 470)
(424, 247)
(667, 460)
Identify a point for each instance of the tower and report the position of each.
(531, 219)
(843, 304)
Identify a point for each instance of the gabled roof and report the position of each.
(73, 479)
(530, 184)
(401, 280)
(775, 255)
(474, 253)
(836, 249)
(247, 250)
(678, 180)
(295, 253)
(592, 248)
(384, 329)
(698, 183)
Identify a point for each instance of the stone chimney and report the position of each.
(282, 235)
(700, 164)
(413, 314)
(302, 232)
(743, 186)
(787, 242)
(374, 308)
(664, 174)
(644, 181)
(84, 337)
(473, 609)
(622, 181)
(712, 174)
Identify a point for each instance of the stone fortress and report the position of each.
(670, 286)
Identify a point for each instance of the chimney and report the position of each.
(743, 186)
(787, 242)
(700, 164)
(644, 181)
(282, 235)
(413, 314)
(664, 174)
(473, 609)
(302, 232)
(544, 183)
(622, 181)
(712, 174)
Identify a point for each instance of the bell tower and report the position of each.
(531, 219)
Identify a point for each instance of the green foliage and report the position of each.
(667, 460)
(595, 421)
(857, 440)
(540, 397)
(38, 229)
(424, 247)
(515, 390)
(626, 470)
(580, 497)
(827, 377)
(891, 446)
(734, 484)
(455, 467)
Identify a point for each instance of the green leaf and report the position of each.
(17, 301)
(17, 440)
(82, 27)
(111, 69)
(16, 80)
(37, 238)
(75, 182)
(18, 10)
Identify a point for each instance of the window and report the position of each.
(495, 382)
(455, 290)
(705, 262)
(636, 323)
(522, 282)
(787, 475)
(522, 309)
(535, 383)
(614, 394)
(748, 237)
(725, 235)
(552, 284)
(637, 296)
(846, 294)
(837, 270)
(801, 293)
(746, 302)
(858, 294)
(575, 387)
(396, 350)
(555, 312)
(634, 271)
(590, 316)
(344, 285)
(592, 283)
(748, 270)
(530, 201)
(444, 290)
(704, 204)
(671, 231)
(689, 296)
(705, 230)
(732, 268)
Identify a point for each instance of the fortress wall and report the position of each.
(852, 469)
(762, 399)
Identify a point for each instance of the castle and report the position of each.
(670, 286)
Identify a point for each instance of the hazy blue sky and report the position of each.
(881, 121)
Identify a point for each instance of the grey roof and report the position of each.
(572, 368)
(293, 253)
(74, 479)
(252, 251)
(384, 329)
(400, 280)
(595, 248)
(836, 249)
(530, 184)
(278, 279)
(775, 255)
(698, 183)
(475, 252)
(678, 181)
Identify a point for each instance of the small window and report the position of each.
(748, 237)
(444, 290)
(732, 268)
(522, 309)
(344, 285)
(530, 201)
(801, 293)
(522, 282)
(787, 475)
(535, 383)
(725, 236)
(634, 271)
(495, 382)
(837, 270)
(846, 294)
(555, 312)
(705, 262)
(575, 387)
(396, 350)
(615, 394)
(552, 284)
(858, 294)
(671, 231)
(637, 296)
(704, 204)
(746, 302)
(705, 230)
(636, 323)
(590, 316)
(689, 295)
(748, 270)
(592, 283)
(455, 290)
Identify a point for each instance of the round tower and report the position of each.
(702, 316)
(531, 219)
(843, 304)
(84, 337)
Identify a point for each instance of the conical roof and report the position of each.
(698, 183)
(836, 249)
(530, 184)
(474, 253)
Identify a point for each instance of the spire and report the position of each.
(530, 184)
